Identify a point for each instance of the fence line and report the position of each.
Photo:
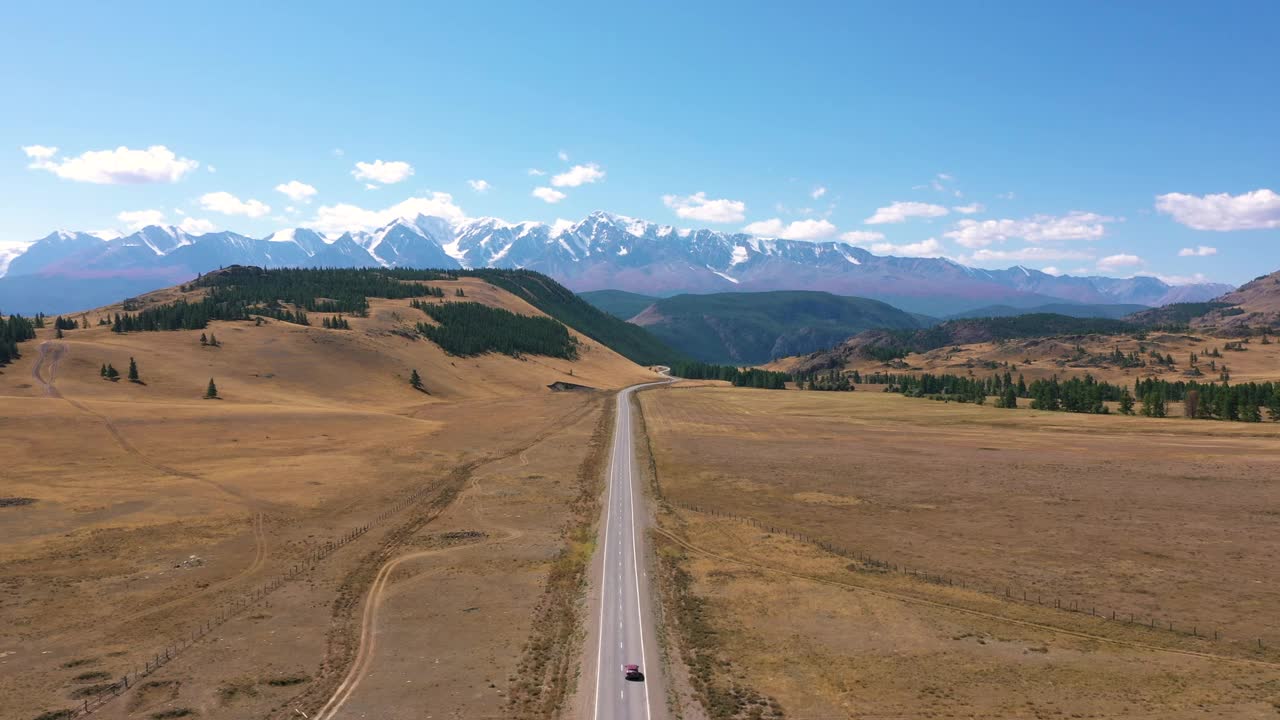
(253, 597)
(1008, 593)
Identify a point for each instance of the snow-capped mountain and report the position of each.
(601, 251)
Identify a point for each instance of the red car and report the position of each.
(632, 672)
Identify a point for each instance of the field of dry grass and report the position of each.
(1162, 518)
(1042, 358)
(154, 510)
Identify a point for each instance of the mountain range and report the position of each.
(66, 271)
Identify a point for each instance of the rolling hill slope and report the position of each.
(619, 303)
(752, 328)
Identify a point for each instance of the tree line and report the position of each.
(469, 328)
(740, 377)
(1242, 402)
(328, 290)
(240, 293)
(13, 330)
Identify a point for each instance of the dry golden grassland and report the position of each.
(1045, 357)
(1171, 518)
(155, 509)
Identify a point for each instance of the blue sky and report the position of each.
(1085, 138)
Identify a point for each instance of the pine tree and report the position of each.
(112, 373)
(103, 371)
(1126, 402)
(1009, 399)
(57, 333)
(211, 392)
(204, 339)
(415, 380)
(133, 371)
(213, 340)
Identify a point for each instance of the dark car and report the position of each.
(632, 672)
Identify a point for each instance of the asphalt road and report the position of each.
(625, 634)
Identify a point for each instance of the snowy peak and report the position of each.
(602, 250)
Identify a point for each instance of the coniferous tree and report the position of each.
(103, 371)
(204, 339)
(57, 333)
(211, 391)
(133, 371)
(112, 374)
(213, 340)
(1009, 398)
(415, 380)
(1126, 402)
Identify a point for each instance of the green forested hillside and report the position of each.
(619, 303)
(753, 328)
(633, 342)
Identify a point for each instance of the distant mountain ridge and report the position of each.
(1068, 309)
(755, 328)
(602, 251)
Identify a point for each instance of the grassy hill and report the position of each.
(274, 342)
(619, 303)
(884, 344)
(753, 328)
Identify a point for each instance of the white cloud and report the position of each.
(480, 186)
(1111, 263)
(535, 172)
(1051, 270)
(860, 237)
(211, 169)
(1028, 254)
(345, 217)
(297, 191)
(900, 211)
(156, 164)
(1006, 195)
(1176, 279)
(1199, 251)
(228, 204)
(197, 226)
(699, 207)
(549, 195)
(138, 219)
(818, 192)
(1038, 228)
(578, 175)
(969, 209)
(338, 152)
(371, 186)
(945, 177)
(1257, 210)
(924, 248)
(798, 230)
(564, 156)
(385, 172)
(39, 152)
